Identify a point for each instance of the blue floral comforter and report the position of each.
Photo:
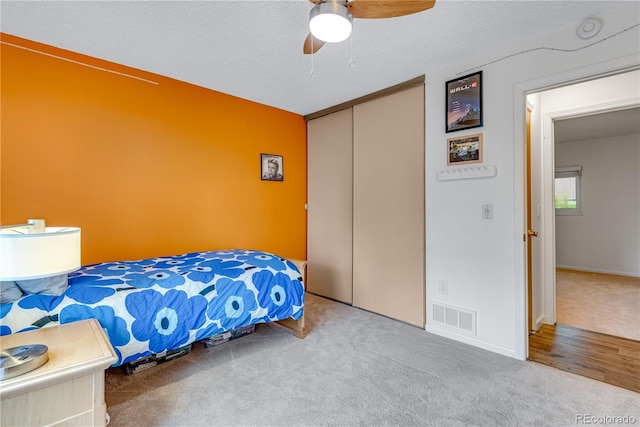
(158, 304)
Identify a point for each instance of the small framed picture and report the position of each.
(271, 167)
(464, 102)
(465, 149)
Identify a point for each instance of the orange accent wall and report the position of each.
(144, 169)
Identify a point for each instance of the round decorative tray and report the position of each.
(16, 361)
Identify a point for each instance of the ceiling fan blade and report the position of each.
(373, 9)
(308, 48)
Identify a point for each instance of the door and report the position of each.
(527, 237)
(531, 233)
(388, 206)
(330, 206)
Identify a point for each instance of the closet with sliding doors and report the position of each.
(366, 199)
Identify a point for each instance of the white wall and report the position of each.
(482, 260)
(606, 237)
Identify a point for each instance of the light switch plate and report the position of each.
(487, 211)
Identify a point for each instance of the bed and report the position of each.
(155, 305)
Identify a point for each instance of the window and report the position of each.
(567, 190)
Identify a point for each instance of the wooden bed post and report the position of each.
(297, 326)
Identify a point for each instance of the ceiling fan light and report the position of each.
(330, 22)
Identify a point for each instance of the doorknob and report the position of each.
(532, 233)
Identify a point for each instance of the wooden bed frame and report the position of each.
(297, 326)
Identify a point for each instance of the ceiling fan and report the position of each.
(330, 20)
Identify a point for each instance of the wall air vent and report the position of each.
(461, 319)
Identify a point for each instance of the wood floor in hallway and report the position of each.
(603, 357)
(597, 334)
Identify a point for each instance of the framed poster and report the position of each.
(466, 149)
(271, 167)
(464, 102)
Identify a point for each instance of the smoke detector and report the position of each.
(589, 28)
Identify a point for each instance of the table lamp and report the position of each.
(27, 252)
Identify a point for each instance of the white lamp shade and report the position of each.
(330, 22)
(34, 256)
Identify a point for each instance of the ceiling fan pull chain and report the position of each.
(352, 63)
(312, 70)
(312, 38)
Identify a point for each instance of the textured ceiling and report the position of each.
(253, 49)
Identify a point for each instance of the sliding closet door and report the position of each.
(388, 206)
(330, 205)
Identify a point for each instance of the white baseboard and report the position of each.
(472, 341)
(597, 270)
(539, 322)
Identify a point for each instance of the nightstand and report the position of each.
(69, 388)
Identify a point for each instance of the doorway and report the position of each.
(567, 136)
(563, 136)
(598, 242)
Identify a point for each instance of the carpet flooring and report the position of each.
(356, 368)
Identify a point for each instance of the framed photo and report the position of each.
(271, 167)
(466, 149)
(464, 102)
